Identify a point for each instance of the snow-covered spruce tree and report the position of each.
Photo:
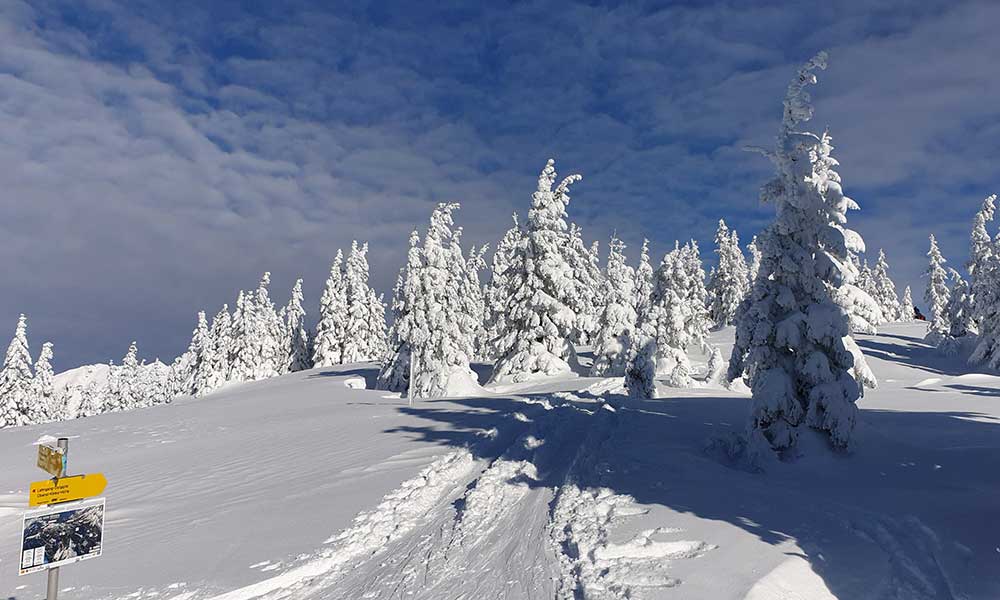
(982, 256)
(395, 373)
(242, 358)
(197, 371)
(268, 338)
(443, 335)
(328, 343)
(153, 383)
(937, 294)
(216, 363)
(640, 372)
(297, 355)
(987, 303)
(960, 320)
(475, 300)
(363, 337)
(586, 300)
(378, 344)
(47, 405)
(124, 391)
(93, 397)
(16, 394)
(863, 311)
(793, 343)
(730, 280)
(696, 320)
(885, 290)
(754, 265)
(611, 350)
(538, 283)
(643, 281)
(906, 310)
(495, 295)
(667, 319)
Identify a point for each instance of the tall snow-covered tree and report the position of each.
(16, 397)
(885, 289)
(93, 396)
(395, 373)
(793, 343)
(618, 322)
(667, 318)
(643, 282)
(216, 363)
(496, 295)
(937, 294)
(242, 358)
(906, 310)
(982, 256)
(268, 338)
(730, 280)
(443, 338)
(475, 299)
(960, 319)
(364, 336)
(696, 319)
(199, 354)
(331, 330)
(754, 265)
(584, 298)
(535, 338)
(124, 390)
(48, 406)
(297, 355)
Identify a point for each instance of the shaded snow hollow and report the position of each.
(306, 486)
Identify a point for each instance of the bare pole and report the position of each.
(52, 592)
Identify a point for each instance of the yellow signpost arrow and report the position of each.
(66, 489)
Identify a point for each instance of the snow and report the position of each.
(302, 487)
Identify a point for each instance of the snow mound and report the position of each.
(793, 579)
(355, 383)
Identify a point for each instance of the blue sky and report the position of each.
(157, 157)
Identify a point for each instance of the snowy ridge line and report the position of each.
(399, 512)
(592, 566)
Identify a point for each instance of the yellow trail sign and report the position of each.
(50, 460)
(66, 489)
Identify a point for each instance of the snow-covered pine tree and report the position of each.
(885, 289)
(982, 255)
(395, 373)
(640, 373)
(863, 311)
(242, 356)
(443, 337)
(495, 295)
(960, 320)
(730, 281)
(216, 363)
(475, 299)
(585, 299)
(378, 344)
(667, 319)
(16, 394)
(47, 405)
(614, 338)
(906, 310)
(124, 391)
(361, 341)
(535, 338)
(268, 337)
(696, 319)
(297, 355)
(152, 385)
(754, 265)
(937, 294)
(331, 330)
(792, 341)
(643, 281)
(92, 396)
(197, 371)
(987, 302)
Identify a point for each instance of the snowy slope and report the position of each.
(300, 487)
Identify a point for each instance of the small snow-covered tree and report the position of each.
(16, 394)
(297, 355)
(584, 298)
(216, 363)
(730, 281)
(643, 281)
(885, 290)
(906, 309)
(48, 406)
(538, 283)
(982, 257)
(268, 333)
(188, 375)
(937, 294)
(242, 359)
(474, 299)
(696, 319)
(667, 319)
(793, 343)
(124, 391)
(395, 373)
(331, 330)
(863, 311)
(640, 373)
(611, 351)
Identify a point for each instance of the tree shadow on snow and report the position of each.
(886, 508)
(915, 354)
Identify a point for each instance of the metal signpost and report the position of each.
(69, 529)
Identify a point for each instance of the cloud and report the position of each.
(157, 158)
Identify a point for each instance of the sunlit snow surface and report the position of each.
(305, 487)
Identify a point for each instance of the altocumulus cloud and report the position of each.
(157, 157)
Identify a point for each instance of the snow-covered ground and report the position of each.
(304, 487)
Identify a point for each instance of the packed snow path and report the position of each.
(301, 488)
